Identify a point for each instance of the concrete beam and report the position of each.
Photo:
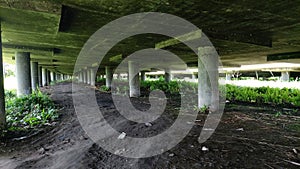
(23, 73)
(34, 75)
(283, 56)
(179, 39)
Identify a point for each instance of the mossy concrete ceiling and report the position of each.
(244, 32)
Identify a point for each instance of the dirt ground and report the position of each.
(248, 136)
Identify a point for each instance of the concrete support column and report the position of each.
(23, 73)
(88, 72)
(208, 92)
(2, 100)
(228, 76)
(168, 76)
(57, 76)
(52, 76)
(194, 76)
(84, 76)
(143, 76)
(48, 78)
(44, 77)
(108, 76)
(285, 76)
(134, 80)
(40, 76)
(34, 75)
(93, 76)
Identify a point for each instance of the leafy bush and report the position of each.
(268, 95)
(29, 111)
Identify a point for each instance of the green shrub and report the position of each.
(29, 111)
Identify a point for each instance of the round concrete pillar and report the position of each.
(285, 76)
(168, 76)
(44, 77)
(204, 86)
(108, 76)
(228, 76)
(88, 73)
(84, 76)
(34, 75)
(40, 76)
(134, 80)
(23, 73)
(143, 76)
(48, 78)
(2, 100)
(52, 76)
(93, 76)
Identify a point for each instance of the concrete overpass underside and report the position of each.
(243, 32)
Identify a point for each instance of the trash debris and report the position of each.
(148, 124)
(118, 152)
(240, 129)
(204, 148)
(122, 136)
(171, 155)
(295, 151)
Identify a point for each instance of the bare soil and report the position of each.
(248, 136)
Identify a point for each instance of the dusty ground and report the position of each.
(247, 137)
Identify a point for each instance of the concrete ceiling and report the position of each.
(243, 32)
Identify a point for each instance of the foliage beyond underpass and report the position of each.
(275, 96)
(29, 111)
(267, 95)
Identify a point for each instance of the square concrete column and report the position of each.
(93, 76)
(23, 73)
(108, 76)
(34, 75)
(2, 100)
(285, 76)
(208, 75)
(134, 79)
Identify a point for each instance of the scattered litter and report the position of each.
(190, 122)
(192, 146)
(292, 162)
(295, 151)
(227, 101)
(204, 148)
(148, 124)
(118, 152)
(171, 155)
(240, 129)
(122, 136)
